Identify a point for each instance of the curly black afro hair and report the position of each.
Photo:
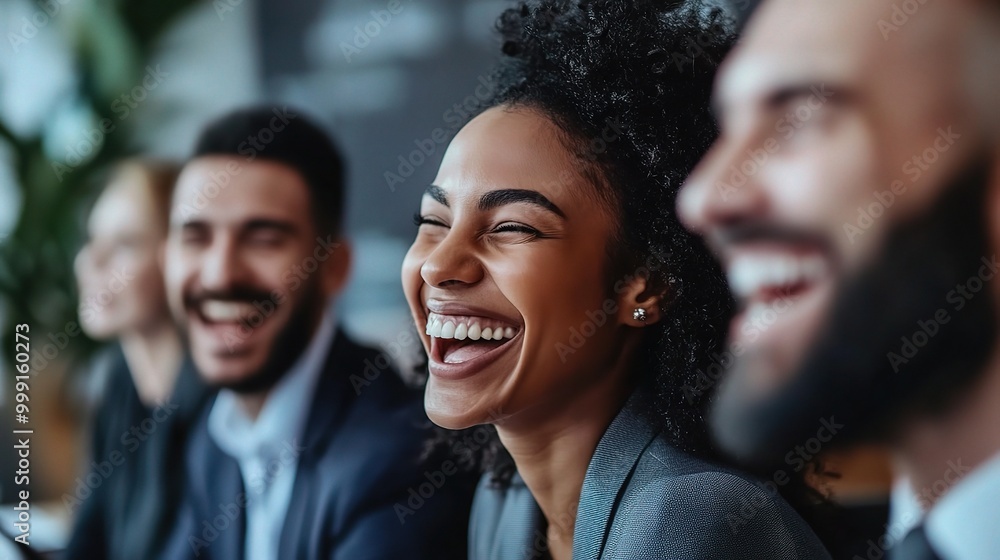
(628, 85)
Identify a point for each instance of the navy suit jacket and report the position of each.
(644, 498)
(360, 490)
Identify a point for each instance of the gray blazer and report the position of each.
(644, 499)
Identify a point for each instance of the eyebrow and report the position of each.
(438, 194)
(501, 197)
(497, 198)
(779, 97)
(270, 224)
(251, 225)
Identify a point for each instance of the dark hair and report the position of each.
(744, 9)
(645, 68)
(642, 70)
(287, 137)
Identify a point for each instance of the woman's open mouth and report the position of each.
(462, 344)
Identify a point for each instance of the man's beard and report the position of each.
(291, 341)
(861, 373)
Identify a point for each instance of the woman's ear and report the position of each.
(639, 300)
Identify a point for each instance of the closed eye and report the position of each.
(515, 227)
(419, 220)
(265, 238)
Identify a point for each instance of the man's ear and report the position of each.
(640, 292)
(337, 267)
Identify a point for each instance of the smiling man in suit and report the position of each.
(854, 199)
(295, 458)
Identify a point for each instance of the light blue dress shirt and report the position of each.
(267, 449)
(964, 523)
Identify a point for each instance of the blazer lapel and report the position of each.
(334, 395)
(223, 486)
(612, 465)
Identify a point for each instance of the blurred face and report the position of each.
(117, 271)
(240, 243)
(509, 259)
(841, 124)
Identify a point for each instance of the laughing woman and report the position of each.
(563, 304)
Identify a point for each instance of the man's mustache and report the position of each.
(237, 293)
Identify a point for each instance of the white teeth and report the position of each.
(750, 274)
(215, 310)
(462, 330)
(448, 330)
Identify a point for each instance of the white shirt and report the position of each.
(964, 524)
(268, 448)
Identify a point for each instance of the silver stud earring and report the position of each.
(639, 314)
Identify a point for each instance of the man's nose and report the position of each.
(221, 265)
(725, 188)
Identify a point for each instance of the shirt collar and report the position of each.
(282, 418)
(962, 524)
